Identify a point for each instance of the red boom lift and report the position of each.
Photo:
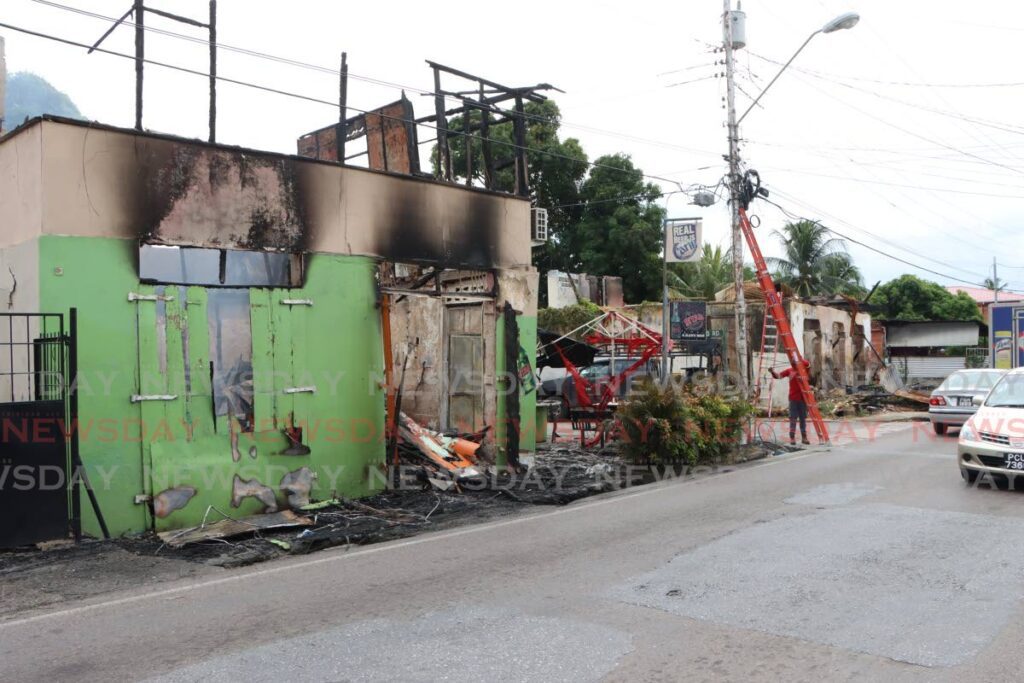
(750, 188)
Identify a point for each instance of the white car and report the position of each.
(992, 440)
(953, 401)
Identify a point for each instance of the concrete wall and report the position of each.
(168, 446)
(20, 187)
(19, 277)
(104, 182)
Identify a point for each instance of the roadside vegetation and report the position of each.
(675, 425)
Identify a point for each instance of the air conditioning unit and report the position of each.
(538, 226)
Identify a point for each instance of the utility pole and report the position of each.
(666, 329)
(740, 306)
(995, 282)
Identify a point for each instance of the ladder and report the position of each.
(769, 354)
(773, 305)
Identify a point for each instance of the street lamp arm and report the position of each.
(772, 82)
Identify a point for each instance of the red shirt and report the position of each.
(795, 392)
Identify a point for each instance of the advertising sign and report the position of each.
(689, 319)
(682, 239)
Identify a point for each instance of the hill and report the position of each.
(30, 95)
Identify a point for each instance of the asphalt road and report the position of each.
(869, 561)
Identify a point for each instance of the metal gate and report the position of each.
(38, 428)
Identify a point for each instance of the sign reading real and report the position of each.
(682, 240)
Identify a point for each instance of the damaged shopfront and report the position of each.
(248, 321)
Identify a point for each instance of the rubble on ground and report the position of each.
(869, 401)
(562, 473)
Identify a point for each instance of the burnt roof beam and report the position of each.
(532, 96)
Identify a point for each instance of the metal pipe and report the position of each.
(772, 82)
(140, 57)
(341, 133)
(213, 70)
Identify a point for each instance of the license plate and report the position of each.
(1014, 461)
(964, 401)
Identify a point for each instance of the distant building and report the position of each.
(984, 297)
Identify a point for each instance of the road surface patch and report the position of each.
(832, 494)
(466, 644)
(886, 580)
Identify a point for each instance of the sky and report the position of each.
(902, 133)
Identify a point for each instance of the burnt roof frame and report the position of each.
(488, 94)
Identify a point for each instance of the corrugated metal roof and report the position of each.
(928, 367)
(931, 333)
(985, 296)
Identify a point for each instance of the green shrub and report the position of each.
(565, 320)
(669, 426)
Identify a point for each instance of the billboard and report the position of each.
(1006, 335)
(682, 239)
(688, 320)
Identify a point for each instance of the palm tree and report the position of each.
(702, 279)
(813, 262)
(996, 285)
(840, 276)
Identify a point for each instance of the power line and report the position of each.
(911, 84)
(692, 80)
(927, 207)
(906, 185)
(375, 81)
(914, 134)
(797, 217)
(881, 239)
(335, 105)
(1006, 127)
(617, 199)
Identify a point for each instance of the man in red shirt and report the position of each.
(797, 405)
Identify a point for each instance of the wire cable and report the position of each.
(618, 199)
(375, 81)
(796, 217)
(878, 237)
(997, 125)
(915, 134)
(335, 105)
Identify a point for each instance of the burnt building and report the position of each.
(245, 321)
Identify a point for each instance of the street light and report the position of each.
(848, 20)
(843, 21)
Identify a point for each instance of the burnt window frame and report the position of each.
(294, 264)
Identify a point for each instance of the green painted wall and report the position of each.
(527, 398)
(145, 347)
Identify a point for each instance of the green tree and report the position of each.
(704, 278)
(908, 297)
(812, 262)
(29, 95)
(620, 231)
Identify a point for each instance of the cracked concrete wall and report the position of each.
(824, 335)
(106, 182)
(19, 292)
(19, 277)
(20, 187)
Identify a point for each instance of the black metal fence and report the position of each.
(39, 449)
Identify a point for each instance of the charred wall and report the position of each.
(100, 181)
